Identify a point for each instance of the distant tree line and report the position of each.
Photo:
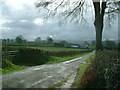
(8, 40)
(20, 39)
(107, 44)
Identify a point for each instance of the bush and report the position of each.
(6, 48)
(10, 48)
(112, 70)
(6, 63)
(104, 71)
(8, 66)
(31, 56)
(59, 44)
(110, 45)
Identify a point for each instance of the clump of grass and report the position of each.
(88, 60)
(81, 71)
(88, 76)
(1, 72)
(60, 83)
(8, 66)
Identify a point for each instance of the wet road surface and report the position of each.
(43, 76)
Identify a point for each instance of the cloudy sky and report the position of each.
(20, 17)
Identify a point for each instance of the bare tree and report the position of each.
(75, 10)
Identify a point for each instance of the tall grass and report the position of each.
(81, 70)
(8, 66)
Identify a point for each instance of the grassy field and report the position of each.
(65, 58)
(50, 48)
(58, 48)
(26, 44)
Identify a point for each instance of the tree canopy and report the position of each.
(49, 40)
(75, 10)
(19, 39)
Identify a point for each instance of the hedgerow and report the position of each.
(104, 71)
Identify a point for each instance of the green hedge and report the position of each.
(104, 71)
(11, 48)
(31, 56)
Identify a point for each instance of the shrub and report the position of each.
(10, 48)
(104, 71)
(8, 66)
(31, 56)
(6, 63)
(59, 44)
(5, 48)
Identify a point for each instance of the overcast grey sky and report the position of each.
(19, 17)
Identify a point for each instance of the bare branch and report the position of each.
(74, 12)
(113, 11)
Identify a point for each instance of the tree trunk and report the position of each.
(99, 28)
(99, 20)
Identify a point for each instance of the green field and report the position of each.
(58, 48)
(26, 44)
(49, 48)
(56, 59)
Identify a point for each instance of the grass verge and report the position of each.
(8, 67)
(56, 59)
(81, 71)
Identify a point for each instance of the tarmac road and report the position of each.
(43, 76)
